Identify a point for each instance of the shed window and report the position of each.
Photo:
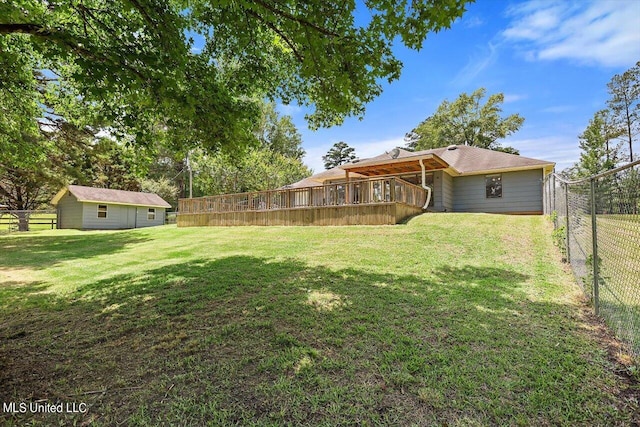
(102, 211)
(151, 214)
(493, 186)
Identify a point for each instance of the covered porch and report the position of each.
(369, 194)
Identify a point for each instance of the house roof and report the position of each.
(107, 195)
(338, 172)
(456, 160)
(466, 160)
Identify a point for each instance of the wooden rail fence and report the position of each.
(371, 201)
(25, 220)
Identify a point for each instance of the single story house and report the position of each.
(106, 209)
(461, 178)
(386, 189)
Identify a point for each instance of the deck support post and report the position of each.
(392, 189)
(347, 200)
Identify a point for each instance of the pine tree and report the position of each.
(338, 155)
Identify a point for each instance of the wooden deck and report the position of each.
(378, 201)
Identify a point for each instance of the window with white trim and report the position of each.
(102, 211)
(151, 214)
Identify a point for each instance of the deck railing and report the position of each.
(360, 192)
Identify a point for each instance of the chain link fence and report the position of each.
(597, 227)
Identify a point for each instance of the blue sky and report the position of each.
(551, 59)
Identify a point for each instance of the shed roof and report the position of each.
(107, 195)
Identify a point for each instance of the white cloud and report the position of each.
(604, 33)
(556, 109)
(563, 150)
(513, 97)
(472, 21)
(485, 57)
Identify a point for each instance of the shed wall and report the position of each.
(142, 219)
(69, 212)
(521, 193)
(118, 217)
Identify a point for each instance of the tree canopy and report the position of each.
(338, 155)
(275, 162)
(466, 121)
(134, 63)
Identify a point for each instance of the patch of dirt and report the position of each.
(16, 275)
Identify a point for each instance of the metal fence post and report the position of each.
(553, 189)
(594, 238)
(566, 204)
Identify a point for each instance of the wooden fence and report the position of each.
(364, 202)
(14, 220)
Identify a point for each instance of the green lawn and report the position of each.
(452, 319)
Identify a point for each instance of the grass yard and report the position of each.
(452, 319)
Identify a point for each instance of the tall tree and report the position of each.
(163, 187)
(625, 104)
(136, 64)
(278, 133)
(338, 155)
(596, 155)
(260, 169)
(466, 121)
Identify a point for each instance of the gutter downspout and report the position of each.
(425, 186)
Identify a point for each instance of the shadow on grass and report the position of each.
(37, 251)
(248, 340)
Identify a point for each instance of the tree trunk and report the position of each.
(23, 220)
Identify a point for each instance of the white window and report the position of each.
(151, 214)
(102, 211)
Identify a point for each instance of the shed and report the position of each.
(106, 209)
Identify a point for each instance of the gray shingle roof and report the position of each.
(469, 160)
(463, 160)
(107, 195)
